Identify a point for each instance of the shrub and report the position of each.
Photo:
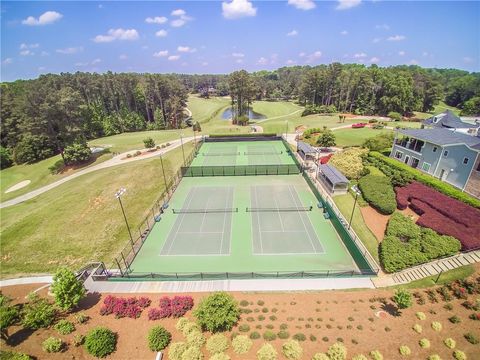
(402, 298)
(195, 338)
(244, 303)
(9, 315)
(299, 337)
(417, 328)
(349, 162)
(376, 355)
(420, 315)
(149, 143)
(378, 192)
(283, 334)
(272, 317)
(217, 343)
(260, 302)
(283, 326)
(267, 352)
(10, 355)
(436, 326)
(5, 158)
(38, 313)
(255, 335)
(395, 116)
(424, 343)
(192, 353)
(220, 356)
(454, 319)
(81, 318)
(64, 327)
(78, 339)
(244, 328)
(404, 350)
(471, 338)
(176, 350)
(144, 302)
(181, 323)
(261, 318)
(434, 357)
(158, 338)
(360, 357)
(189, 328)
(269, 335)
(292, 350)
(241, 344)
(269, 326)
(459, 355)
(379, 142)
(217, 312)
(100, 342)
(52, 345)
(337, 351)
(450, 343)
(76, 153)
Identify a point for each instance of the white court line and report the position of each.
(205, 213)
(258, 219)
(301, 217)
(224, 220)
(278, 213)
(199, 232)
(181, 220)
(284, 231)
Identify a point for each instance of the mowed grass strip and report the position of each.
(81, 220)
(204, 110)
(356, 137)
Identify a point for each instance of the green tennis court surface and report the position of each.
(243, 153)
(242, 225)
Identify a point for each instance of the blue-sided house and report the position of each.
(447, 154)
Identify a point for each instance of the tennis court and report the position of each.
(243, 224)
(243, 153)
(202, 226)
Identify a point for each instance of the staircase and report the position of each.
(436, 267)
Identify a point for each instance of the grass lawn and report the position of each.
(134, 140)
(345, 204)
(276, 108)
(310, 121)
(439, 108)
(204, 110)
(81, 220)
(356, 137)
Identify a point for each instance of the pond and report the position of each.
(227, 114)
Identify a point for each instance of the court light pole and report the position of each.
(163, 171)
(118, 195)
(183, 151)
(286, 130)
(351, 217)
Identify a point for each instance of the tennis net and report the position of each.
(263, 152)
(221, 154)
(307, 208)
(204, 211)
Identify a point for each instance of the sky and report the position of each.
(222, 36)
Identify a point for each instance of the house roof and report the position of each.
(448, 119)
(442, 136)
(306, 148)
(331, 172)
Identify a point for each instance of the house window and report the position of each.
(415, 162)
(445, 153)
(434, 149)
(426, 166)
(465, 161)
(398, 154)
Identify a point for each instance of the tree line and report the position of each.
(43, 116)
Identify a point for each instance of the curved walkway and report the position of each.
(278, 117)
(116, 160)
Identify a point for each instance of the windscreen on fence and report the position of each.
(240, 170)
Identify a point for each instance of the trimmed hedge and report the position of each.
(428, 180)
(378, 192)
(406, 244)
(100, 342)
(158, 338)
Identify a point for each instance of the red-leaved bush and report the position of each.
(176, 307)
(124, 307)
(441, 213)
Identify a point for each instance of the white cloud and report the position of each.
(27, 53)
(262, 61)
(162, 53)
(290, 62)
(396, 38)
(302, 54)
(413, 62)
(468, 60)
(117, 34)
(70, 50)
(156, 20)
(161, 33)
(42, 68)
(239, 61)
(123, 57)
(360, 55)
(96, 61)
(376, 40)
(7, 61)
(178, 12)
(374, 60)
(382, 27)
(174, 57)
(347, 4)
(238, 55)
(344, 32)
(302, 4)
(401, 53)
(186, 49)
(237, 9)
(44, 53)
(100, 6)
(314, 56)
(204, 63)
(81, 64)
(292, 33)
(48, 17)
(178, 23)
(425, 54)
(24, 46)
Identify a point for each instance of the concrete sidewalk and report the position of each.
(27, 280)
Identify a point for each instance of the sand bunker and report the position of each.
(18, 186)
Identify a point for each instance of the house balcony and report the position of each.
(410, 144)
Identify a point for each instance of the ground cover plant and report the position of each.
(441, 213)
(123, 307)
(378, 192)
(349, 162)
(217, 312)
(407, 244)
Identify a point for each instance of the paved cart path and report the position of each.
(116, 160)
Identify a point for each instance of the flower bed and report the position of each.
(175, 307)
(441, 213)
(124, 307)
